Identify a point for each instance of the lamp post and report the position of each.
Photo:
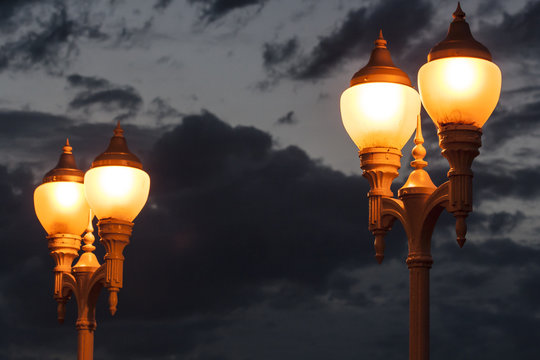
(459, 87)
(115, 189)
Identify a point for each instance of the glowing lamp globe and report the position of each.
(116, 185)
(59, 201)
(380, 107)
(459, 84)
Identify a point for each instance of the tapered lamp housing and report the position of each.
(459, 84)
(59, 202)
(116, 185)
(379, 109)
(460, 87)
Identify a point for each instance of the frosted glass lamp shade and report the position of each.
(380, 114)
(118, 192)
(459, 90)
(61, 207)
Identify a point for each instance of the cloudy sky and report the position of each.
(254, 241)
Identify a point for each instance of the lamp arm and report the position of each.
(67, 286)
(98, 277)
(434, 206)
(87, 289)
(392, 207)
(437, 201)
(383, 213)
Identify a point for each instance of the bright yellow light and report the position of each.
(116, 191)
(61, 207)
(67, 194)
(459, 75)
(459, 90)
(380, 114)
(116, 181)
(381, 103)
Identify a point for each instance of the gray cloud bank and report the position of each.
(235, 229)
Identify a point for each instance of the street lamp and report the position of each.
(459, 87)
(115, 189)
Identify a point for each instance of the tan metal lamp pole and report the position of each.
(459, 88)
(115, 189)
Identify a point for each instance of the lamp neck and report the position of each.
(380, 167)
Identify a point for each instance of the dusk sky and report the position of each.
(254, 243)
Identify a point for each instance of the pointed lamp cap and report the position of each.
(380, 67)
(66, 169)
(459, 41)
(117, 154)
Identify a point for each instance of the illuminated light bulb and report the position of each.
(67, 194)
(459, 84)
(459, 75)
(379, 109)
(460, 90)
(59, 202)
(116, 186)
(380, 114)
(116, 191)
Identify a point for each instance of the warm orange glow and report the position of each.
(459, 75)
(460, 90)
(118, 192)
(61, 207)
(380, 114)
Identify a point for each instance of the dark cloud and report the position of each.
(275, 53)
(87, 82)
(8, 11)
(49, 47)
(354, 38)
(161, 109)
(35, 138)
(507, 124)
(52, 45)
(497, 182)
(162, 4)
(110, 100)
(496, 251)
(266, 209)
(518, 33)
(100, 93)
(212, 10)
(287, 119)
(482, 291)
(30, 124)
(503, 222)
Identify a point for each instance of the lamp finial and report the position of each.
(458, 15)
(380, 42)
(88, 260)
(67, 148)
(419, 151)
(118, 131)
(418, 181)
